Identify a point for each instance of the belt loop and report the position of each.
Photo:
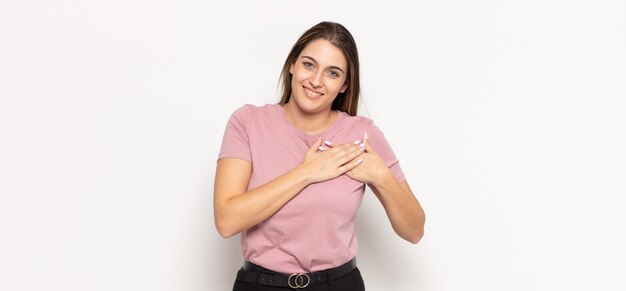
(258, 275)
(330, 283)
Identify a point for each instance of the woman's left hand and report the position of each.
(372, 168)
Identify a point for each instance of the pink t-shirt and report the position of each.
(315, 230)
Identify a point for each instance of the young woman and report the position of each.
(291, 176)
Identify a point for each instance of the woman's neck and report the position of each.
(309, 123)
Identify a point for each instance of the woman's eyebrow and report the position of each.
(332, 67)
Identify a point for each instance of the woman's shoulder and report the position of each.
(357, 120)
(250, 110)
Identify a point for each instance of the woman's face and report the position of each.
(318, 75)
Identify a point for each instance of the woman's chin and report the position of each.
(309, 106)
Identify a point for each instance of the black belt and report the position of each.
(257, 274)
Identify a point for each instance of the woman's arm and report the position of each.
(237, 209)
(403, 210)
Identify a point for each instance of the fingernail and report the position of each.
(357, 142)
(328, 143)
(320, 148)
(362, 145)
(365, 135)
(359, 161)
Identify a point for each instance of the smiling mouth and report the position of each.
(311, 93)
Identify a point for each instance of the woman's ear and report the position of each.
(291, 68)
(344, 87)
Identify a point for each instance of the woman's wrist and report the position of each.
(383, 178)
(302, 175)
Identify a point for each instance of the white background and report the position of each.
(508, 117)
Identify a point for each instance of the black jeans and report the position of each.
(350, 282)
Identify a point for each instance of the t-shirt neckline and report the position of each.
(304, 135)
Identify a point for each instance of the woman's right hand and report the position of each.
(238, 208)
(322, 165)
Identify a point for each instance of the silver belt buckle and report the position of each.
(300, 280)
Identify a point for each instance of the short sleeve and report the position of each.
(236, 142)
(378, 141)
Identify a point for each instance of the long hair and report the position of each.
(339, 36)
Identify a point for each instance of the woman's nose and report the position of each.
(316, 80)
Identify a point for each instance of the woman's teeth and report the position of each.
(311, 93)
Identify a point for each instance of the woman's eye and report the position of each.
(334, 74)
(307, 65)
